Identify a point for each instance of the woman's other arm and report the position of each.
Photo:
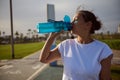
(105, 73)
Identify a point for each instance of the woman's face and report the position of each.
(79, 25)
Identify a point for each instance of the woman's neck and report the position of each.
(84, 39)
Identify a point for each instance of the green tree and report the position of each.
(35, 33)
(3, 33)
(29, 32)
(17, 34)
(0, 33)
(21, 37)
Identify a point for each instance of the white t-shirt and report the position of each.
(82, 61)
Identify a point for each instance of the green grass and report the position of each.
(113, 43)
(21, 50)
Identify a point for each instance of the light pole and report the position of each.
(12, 39)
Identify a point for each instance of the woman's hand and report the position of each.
(54, 35)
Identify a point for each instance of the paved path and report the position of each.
(20, 69)
(50, 73)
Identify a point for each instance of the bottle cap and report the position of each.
(66, 18)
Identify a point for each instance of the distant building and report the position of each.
(119, 28)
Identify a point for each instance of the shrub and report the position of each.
(113, 43)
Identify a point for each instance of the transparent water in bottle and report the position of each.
(55, 26)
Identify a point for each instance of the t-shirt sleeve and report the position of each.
(60, 48)
(105, 52)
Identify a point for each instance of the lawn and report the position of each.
(21, 50)
(113, 43)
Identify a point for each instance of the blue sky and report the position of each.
(27, 13)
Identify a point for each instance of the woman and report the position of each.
(84, 58)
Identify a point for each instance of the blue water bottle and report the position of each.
(55, 26)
